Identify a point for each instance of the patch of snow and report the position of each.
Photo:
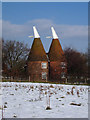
(29, 100)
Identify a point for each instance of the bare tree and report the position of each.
(14, 56)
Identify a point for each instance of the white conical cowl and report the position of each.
(54, 33)
(36, 35)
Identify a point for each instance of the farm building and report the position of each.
(44, 67)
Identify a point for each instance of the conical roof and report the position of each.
(37, 52)
(55, 52)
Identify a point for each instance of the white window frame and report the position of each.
(44, 65)
(44, 75)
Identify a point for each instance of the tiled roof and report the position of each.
(37, 52)
(55, 52)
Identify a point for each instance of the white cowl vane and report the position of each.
(54, 33)
(36, 35)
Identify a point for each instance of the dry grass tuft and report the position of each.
(75, 104)
(51, 86)
(48, 108)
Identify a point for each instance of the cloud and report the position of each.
(73, 30)
(69, 35)
(14, 31)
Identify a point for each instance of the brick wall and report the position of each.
(55, 71)
(35, 71)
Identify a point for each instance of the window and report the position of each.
(63, 64)
(44, 75)
(63, 75)
(44, 65)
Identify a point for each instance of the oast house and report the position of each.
(44, 67)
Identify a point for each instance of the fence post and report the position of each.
(66, 81)
(85, 80)
(29, 78)
(2, 112)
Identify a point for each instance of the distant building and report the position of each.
(44, 67)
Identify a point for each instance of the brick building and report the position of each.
(44, 67)
(37, 60)
(57, 64)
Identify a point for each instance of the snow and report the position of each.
(29, 100)
(0, 101)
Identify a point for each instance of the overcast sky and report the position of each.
(70, 21)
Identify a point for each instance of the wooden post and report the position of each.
(85, 80)
(49, 100)
(29, 78)
(2, 112)
(46, 78)
(66, 80)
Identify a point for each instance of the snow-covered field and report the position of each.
(30, 100)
